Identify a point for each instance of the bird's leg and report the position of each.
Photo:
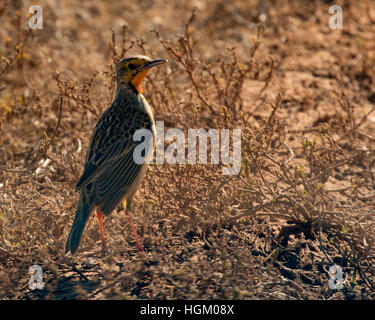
(100, 223)
(130, 221)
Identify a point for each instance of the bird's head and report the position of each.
(134, 69)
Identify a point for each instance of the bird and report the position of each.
(111, 174)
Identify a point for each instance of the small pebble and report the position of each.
(89, 262)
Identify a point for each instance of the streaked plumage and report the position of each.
(110, 173)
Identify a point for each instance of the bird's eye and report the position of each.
(131, 66)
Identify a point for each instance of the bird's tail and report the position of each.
(84, 209)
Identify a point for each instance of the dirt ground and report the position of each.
(302, 94)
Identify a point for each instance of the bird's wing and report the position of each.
(116, 179)
(105, 160)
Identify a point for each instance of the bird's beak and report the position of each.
(137, 81)
(154, 63)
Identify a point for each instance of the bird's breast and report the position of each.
(148, 111)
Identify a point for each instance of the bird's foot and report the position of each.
(105, 250)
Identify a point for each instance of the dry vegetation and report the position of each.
(303, 95)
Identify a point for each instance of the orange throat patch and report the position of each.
(137, 81)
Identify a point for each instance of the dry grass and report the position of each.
(302, 95)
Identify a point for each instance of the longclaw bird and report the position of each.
(111, 173)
